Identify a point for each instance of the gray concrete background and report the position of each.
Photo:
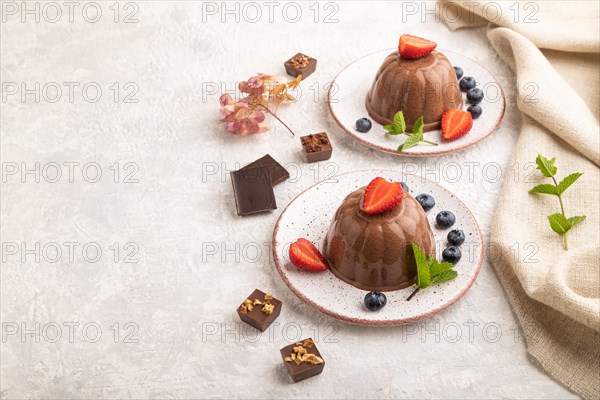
(153, 315)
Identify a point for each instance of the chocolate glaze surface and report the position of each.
(424, 87)
(374, 252)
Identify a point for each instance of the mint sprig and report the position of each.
(559, 222)
(430, 271)
(398, 127)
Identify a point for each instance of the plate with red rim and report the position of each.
(309, 215)
(348, 92)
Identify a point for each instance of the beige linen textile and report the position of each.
(556, 293)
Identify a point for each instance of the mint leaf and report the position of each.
(399, 122)
(559, 223)
(437, 268)
(445, 276)
(423, 277)
(398, 125)
(568, 181)
(576, 219)
(392, 130)
(546, 166)
(545, 188)
(411, 141)
(430, 271)
(418, 126)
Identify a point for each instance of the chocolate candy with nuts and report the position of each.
(316, 147)
(259, 310)
(302, 359)
(300, 64)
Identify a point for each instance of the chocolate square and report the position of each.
(256, 317)
(316, 147)
(278, 173)
(304, 370)
(300, 64)
(253, 190)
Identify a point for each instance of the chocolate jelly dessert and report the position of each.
(424, 87)
(374, 252)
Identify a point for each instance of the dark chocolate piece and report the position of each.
(316, 147)
(253, 190)
(303, 369)
(300, 64)
(255, 316)
(278, 173)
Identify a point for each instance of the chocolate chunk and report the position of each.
(300, 64)
(278, 173)
(253, 190)
(300, 370)
(257, 315)
(316, 147)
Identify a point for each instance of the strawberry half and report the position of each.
(415, 47)
(382, 196)
(456, 124)
(306, 256)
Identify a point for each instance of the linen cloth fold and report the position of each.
(556, 292)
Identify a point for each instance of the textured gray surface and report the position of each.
(196, 259)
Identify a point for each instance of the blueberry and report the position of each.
(452, 254)
(459, 72)
(363, 125)
(375, 301)
(404, 187)
(456, 237)
(466, 83)
(426, 201)
(475, 110)
(445, 219)
(474, 96)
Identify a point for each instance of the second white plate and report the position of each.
(309, 215)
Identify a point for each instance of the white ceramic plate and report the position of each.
(309, 216)
(349, 90)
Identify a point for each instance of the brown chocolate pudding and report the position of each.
(424, 87)
(374, 252)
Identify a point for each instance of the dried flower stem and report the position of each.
(277, 118)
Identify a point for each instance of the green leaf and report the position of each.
(576, 219)
(399, 122)
(445, 276)
(437, 268)
(545, 188)
(568, 181)
(392, 130)
(398, 125)
(546, 166)
(411, 141)
(418, 126)
(559, 223)
(423, 277)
